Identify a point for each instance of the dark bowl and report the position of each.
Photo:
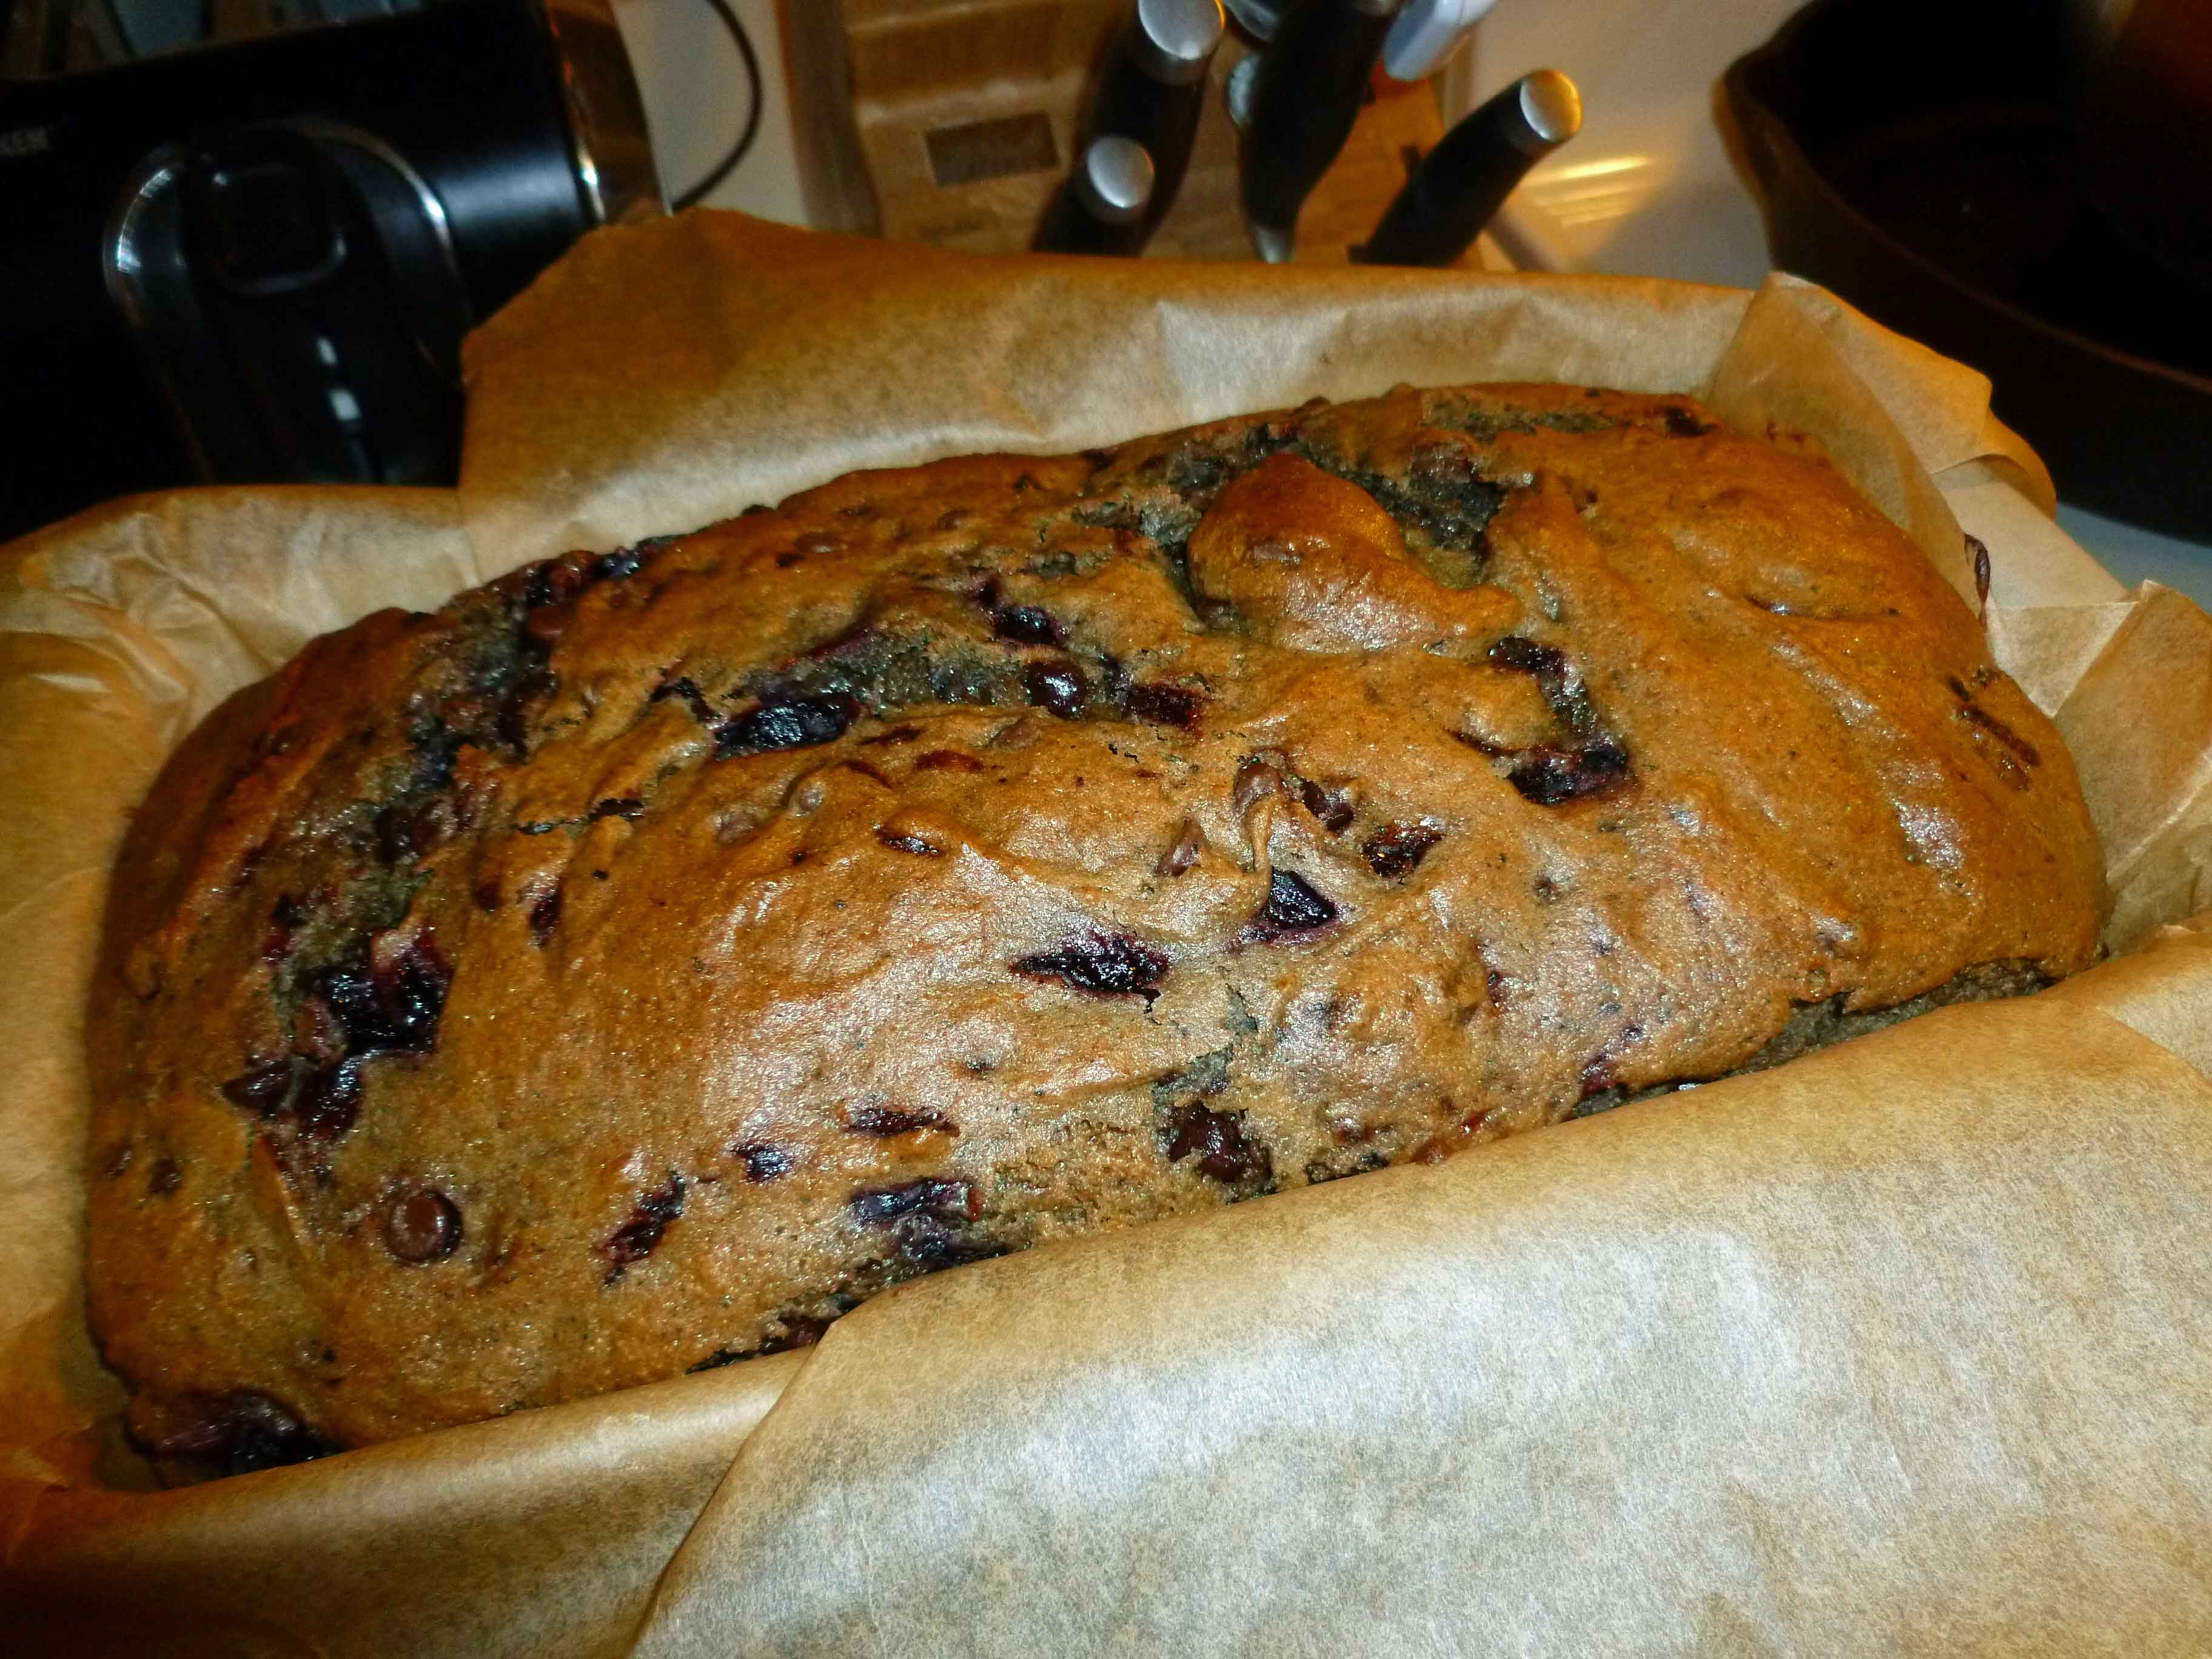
(1929, 164)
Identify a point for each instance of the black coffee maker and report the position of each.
(254, 261)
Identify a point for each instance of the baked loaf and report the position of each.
(636, 964)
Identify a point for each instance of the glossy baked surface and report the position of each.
(638, 961)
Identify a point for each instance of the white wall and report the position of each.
(693, 85)
(1646, 188)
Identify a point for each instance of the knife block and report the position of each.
(966, 114)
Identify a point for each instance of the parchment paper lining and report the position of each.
(1895, 1347)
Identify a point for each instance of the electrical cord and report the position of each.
(737, 152)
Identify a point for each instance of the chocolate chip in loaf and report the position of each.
(1294, 906)
(164, 1178)
(555, 581)
(1059, 688)
(1551, 776)
(1397, 849)
(241, 1432)
(545, 915)
(1161, 704)
(1527, 657)
(1680, 423)
(386, 994)
(1218, 1142)
(1027, 624)
(928, 1220)
(1333, 807)
(1103, 964)
(639, 1237)
(261, 1087)
(1256, 779)
(930, 1244)
(626, 562)
(329, 1101)
(942, 1196)
(791, 723)
(626, 807)
(423, 1226)
(883, 1122)
(763, 1161)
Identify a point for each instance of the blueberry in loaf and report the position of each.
(636, 964)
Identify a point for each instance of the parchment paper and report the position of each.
(1895, 1348)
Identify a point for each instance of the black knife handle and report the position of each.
(1153, 87)
(1463, 181)
(1101, 208)
(1311, 83)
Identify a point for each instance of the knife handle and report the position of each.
(1101, 208)
(1153, 87)
(1463, 181)
(1311, 81)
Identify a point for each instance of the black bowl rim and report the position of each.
(1749, 105)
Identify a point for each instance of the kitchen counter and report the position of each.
(2135, 555)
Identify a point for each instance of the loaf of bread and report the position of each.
(633, 965)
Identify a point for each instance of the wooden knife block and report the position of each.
(967, 113)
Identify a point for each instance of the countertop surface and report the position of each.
(2135, 555)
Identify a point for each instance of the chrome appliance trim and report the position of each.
(608, 140)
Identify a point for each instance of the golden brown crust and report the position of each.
(641, 960)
